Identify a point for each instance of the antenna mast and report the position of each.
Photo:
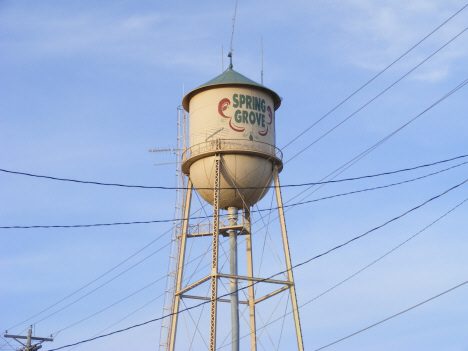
(261, 49)
(232, 35)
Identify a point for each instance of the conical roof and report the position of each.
(229, 78)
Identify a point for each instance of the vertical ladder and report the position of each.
(181, 194)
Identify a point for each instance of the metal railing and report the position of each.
(207, 227)
(232, 145)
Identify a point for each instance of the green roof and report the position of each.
(229, 78)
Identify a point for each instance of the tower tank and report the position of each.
(233, 117)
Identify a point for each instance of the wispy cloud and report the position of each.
(385, 32)
(148, 38)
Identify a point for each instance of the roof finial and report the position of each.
(230, 58)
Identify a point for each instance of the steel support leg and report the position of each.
(248, 246)
(214, 261)
(232, 216)
(180, 267)
(287, 255)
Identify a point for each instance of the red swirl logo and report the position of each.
(223, 106)
(270, 114)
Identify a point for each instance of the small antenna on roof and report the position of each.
(232, 35)
(222, 59)
(261, 49)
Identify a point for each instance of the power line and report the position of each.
(241, 188)
(416, 117)
(112, 305)
(379, 143)
(369, 189)
(382, 141)
(91, 282)
(130, 295)
(377, 96)
(260, 210)
(373, 175)
(371, 149)
(334, 196)
(187, 278)
(395, 315)
(7, 342)
(90, 225)
(364, 268)
(202, 254)
(102, 275)
(441, 99)
(130, 314)
(100, 286)
(380, 226)
(155, 187)
(256, 282)
(121, 185)
(353, 94)
(87, 182)
(373, 78)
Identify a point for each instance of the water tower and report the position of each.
(231, 162)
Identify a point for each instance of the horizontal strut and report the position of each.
(223, 231)
(208, 299)
(222, 275)
(262, 280)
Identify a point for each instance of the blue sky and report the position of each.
(88, 87)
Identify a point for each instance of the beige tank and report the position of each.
(233, 117)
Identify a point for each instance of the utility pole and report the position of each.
(29, 338)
